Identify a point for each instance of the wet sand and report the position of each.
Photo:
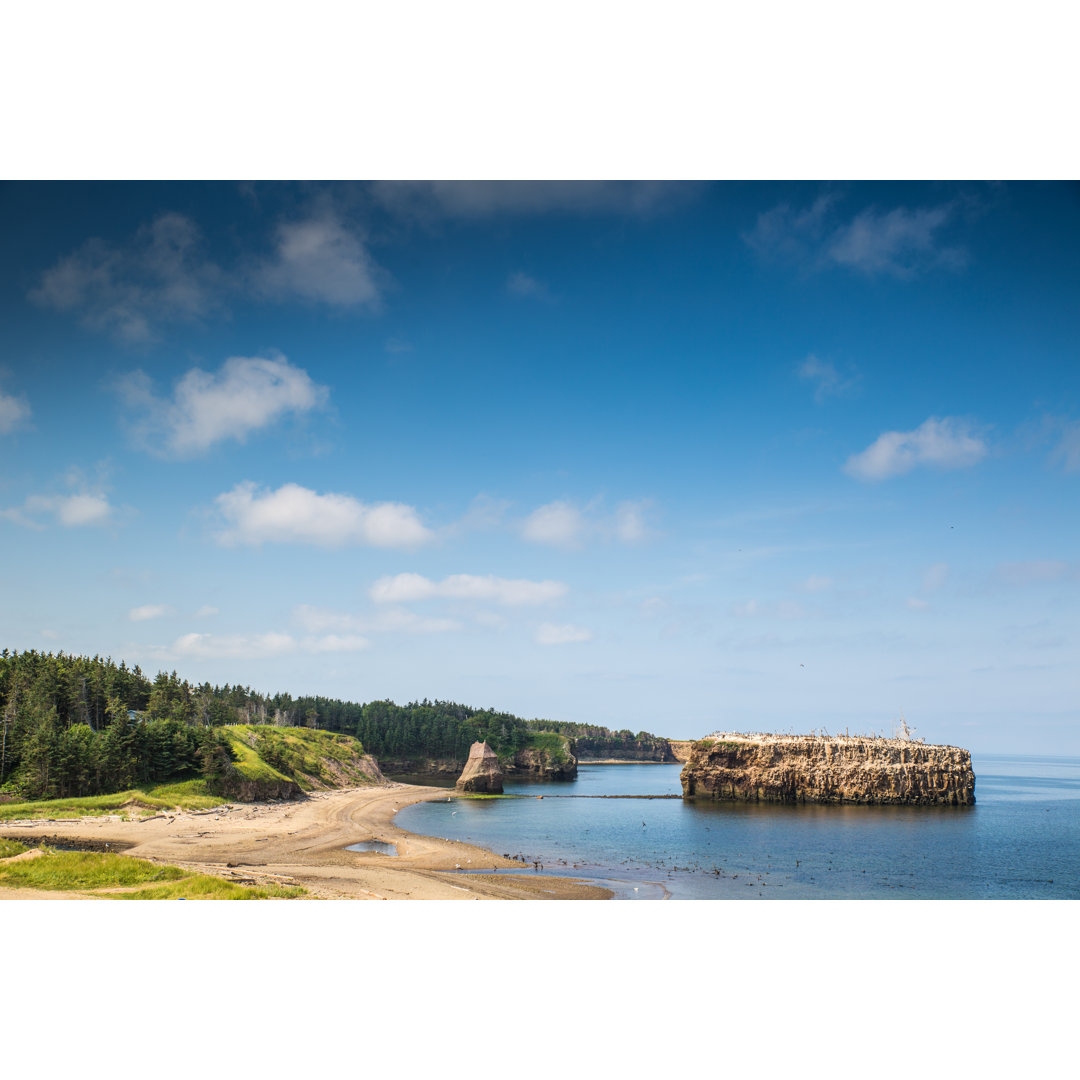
(303, 843)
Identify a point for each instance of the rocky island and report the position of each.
(827, 769)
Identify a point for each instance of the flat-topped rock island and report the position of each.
(827, 769)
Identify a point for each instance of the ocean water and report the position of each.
(1021, 840)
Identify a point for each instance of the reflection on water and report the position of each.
(1021, 839)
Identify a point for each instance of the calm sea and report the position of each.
(1020, 841)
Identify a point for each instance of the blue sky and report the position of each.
(680, 457)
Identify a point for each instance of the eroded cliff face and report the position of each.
(481, 772)
(546, 764)
(828, 769)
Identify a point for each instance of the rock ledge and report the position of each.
(827, 769)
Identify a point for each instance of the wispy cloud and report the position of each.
(521, 284)
(260, 646)
(320, 260)
(567, 525)
(513, 592)
(1037, 572)
(389, 620)
(246, 395)
(561, 634)
(934, 578)
(948, 443)
(70, 511)
(148, 611)
(297, 515)
(1067, 452)
(751, 609)
(163, 275)
(815, 583)
(429, 199)
(900, 242)
(14, 412)
(826, 379)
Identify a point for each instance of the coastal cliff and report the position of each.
(481, 772)
(827, 769)
(548, 756)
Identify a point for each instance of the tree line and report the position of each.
(78, 725)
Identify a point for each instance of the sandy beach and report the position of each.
(304, 842)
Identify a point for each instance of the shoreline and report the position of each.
(303, 842)
(624, 761)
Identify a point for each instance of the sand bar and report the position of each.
(303, 843)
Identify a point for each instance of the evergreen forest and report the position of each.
(77, 725)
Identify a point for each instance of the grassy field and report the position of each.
(136, 802)
(91, 874)
(10, 847)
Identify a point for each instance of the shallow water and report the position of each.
(379, 846)
(1020, 841)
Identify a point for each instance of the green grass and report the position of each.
(550, 742)
(80, 870)
(10, 847)
(266, 752)
(88, 873)
(206, 887)
(178, 794)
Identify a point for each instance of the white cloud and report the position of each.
(428, 199)
(1067, 451)
(70, 511)
(629, 521)
(563, 634)
(828, 382)
(557, 523)
(245, 395)
(391, 620)
(1037, 571)
(14, 412)
(900, 242)
(513, 592)
(298, 515)
(320, 260)
(948, 443)
(935, 576)
(148, 611)
(790, 234)
(521, 284)
(161, 276)
(260, 646)
(164, 275)
(563, 524)
(786, 609)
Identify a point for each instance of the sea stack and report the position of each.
(481, 772)
(827, 769)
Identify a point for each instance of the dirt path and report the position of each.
(304, 843)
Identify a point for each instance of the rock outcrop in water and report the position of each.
(828, 769)
(555, 762)
(482, 772)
